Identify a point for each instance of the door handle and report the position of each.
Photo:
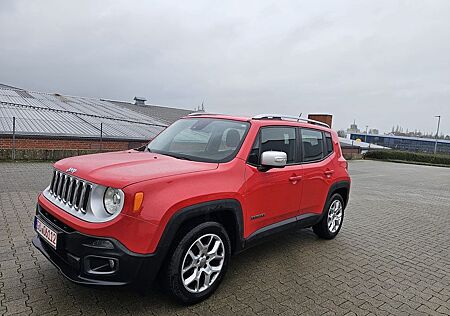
(295, 178)
(328, 173)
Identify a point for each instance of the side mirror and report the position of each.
(273, 159)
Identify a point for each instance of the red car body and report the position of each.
(169, 185)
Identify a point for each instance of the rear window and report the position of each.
(312, 145)
(329, 143)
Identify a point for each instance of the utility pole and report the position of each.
(14, 139)
(367, 130)
(437, 133)
(101, 136)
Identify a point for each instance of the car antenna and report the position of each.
(299, 117)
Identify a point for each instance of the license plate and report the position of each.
(49, 235)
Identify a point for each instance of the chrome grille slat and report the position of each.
(71, 191)
(64, 189)
(60, 182)
(55, 185)
(53, 181)
(74, 190)
(75, 194)
(83, 193)
(87, 197)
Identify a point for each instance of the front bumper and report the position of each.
(94, 260)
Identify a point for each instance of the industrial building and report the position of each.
(415, 144)
(37, 120)
(39, 125)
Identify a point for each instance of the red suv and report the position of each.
(205, 188)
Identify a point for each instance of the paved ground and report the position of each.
(391, 257)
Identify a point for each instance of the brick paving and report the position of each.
(392, 257)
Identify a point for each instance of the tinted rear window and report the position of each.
(312, 144)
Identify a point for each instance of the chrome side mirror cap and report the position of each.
(273, 159)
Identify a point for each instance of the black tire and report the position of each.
(172, 276)
(321, 229)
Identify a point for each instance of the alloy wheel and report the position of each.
(202, 263)
(334, 219)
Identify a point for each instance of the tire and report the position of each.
(327, 228)
(199, 263)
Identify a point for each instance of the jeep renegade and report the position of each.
(205, 188)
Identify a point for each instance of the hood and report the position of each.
(119, 169)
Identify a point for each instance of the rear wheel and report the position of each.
(198, 263)
(332, 219)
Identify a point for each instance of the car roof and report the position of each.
(261, 121)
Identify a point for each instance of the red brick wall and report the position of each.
(324, 118)
(39, 143)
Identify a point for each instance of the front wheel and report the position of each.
(331, 221)
(198, 263)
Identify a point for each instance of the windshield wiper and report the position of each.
(179, 157)
(165, 153)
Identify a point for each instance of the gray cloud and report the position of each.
(379, 62)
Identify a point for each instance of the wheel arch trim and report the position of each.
(345, 184)
(202, 209)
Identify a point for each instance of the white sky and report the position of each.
(382, 63)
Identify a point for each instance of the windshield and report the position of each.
(201, 139)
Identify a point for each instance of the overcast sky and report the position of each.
(381, 63)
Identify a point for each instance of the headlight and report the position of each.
(113, 200)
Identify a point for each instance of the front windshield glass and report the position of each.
(201, 139)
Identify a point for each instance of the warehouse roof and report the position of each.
(162, 113)
(421, 139)
(350, 143)
(49, 114)
(5, 86)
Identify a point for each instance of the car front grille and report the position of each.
(71, 191)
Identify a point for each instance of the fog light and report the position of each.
(100, 265)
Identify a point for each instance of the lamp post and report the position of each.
(437, 133)
(367, 130)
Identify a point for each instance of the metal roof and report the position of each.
(162, 113)
(404, 137)
(48, 114)
(5, 86)
(350, 143)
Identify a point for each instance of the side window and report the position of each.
(312, 144)
(279, 139)
(329, 143)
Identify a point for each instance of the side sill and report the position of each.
(302, 221)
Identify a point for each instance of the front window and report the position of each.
(274, 138)
(201, 139)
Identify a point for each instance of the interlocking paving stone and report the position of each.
(392, 257)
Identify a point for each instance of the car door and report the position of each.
(318, 169)
(273, 196)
